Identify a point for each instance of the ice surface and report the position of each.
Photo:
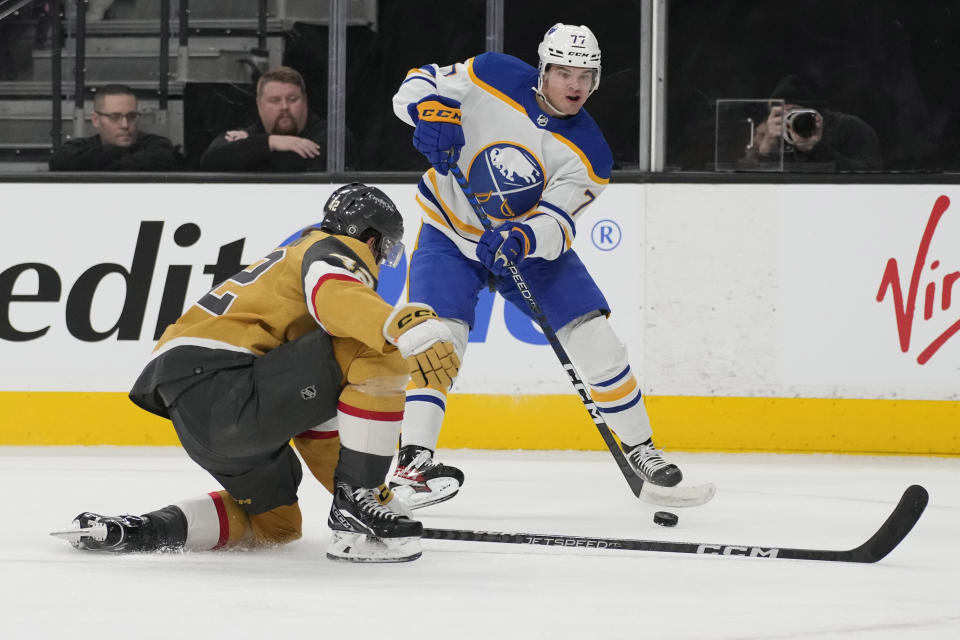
(493, 591)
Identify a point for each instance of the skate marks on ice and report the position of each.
(825, 502)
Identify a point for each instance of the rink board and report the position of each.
(555, 422)
(757, 317)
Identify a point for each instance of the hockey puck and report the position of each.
(665, 519)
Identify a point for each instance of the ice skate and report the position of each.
(371, 525)
(419, 481)
(648, 463)
(119, 534)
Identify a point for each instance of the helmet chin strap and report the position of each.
(547, 102)
(539, 91)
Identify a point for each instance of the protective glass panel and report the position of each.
(740, 127)
(875, 70)
(378, 58)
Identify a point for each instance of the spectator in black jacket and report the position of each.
(287, 137)
(814, 137)
(118, 145)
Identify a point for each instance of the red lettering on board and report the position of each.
(905, 310)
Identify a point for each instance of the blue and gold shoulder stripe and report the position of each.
(505, 76)
(584, 138)
(425, 74)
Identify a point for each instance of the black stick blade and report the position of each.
(896, 527)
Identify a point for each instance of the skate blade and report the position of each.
(358, 547)
(678, 496)
(72, 535)
(441, 490)
(77, 535)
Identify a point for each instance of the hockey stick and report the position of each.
(667, 496)
(885, 540)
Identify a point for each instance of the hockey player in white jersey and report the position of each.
(536, 160)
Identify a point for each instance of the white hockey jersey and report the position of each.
(522, 163)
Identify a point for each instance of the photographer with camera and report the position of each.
(820, 139)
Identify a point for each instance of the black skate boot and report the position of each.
(123, 534)
(648, 463)
(161, 530)
(371, 525)
(420, 481)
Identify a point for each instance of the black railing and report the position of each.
(56, 130)
(262, 28)
(183, 44)
(336, 85)
(79, 73)
(80, 88)
(9, 7)
(164, 79)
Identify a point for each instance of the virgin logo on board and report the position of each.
(905, 310)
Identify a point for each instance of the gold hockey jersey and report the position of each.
(319, 279)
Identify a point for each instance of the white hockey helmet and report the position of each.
(571, 46)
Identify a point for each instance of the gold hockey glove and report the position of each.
(426, 344)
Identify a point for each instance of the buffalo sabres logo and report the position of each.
(542, 120)
(309, 393)
(507, 179)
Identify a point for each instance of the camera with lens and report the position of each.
(800, 123)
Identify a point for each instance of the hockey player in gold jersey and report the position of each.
(296, 346)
